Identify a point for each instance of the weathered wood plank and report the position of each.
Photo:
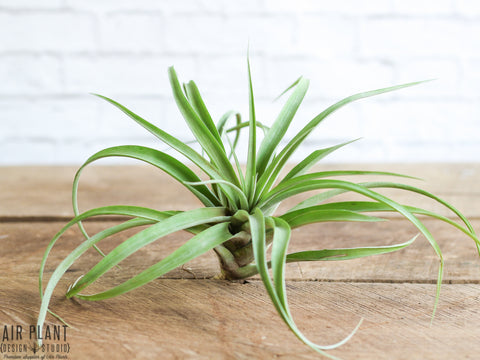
(175, 318)
(23, 245)
(179, 317)
(206, 319)
(46, 191)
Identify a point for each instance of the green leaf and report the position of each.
(279, 128)
(196, 246)
(345, 254)
(241, 195)
(307, 163)
(223, 121)
(141, 213)
(233, 146)
(424, 193)
(165, 162)
(176, 144)
(70, 259)
(180, 221)
(312, 201)
(281, 238)
(208, 142)
(237, 164)
(367, 206)
(257, 226)
(289, 88)
(279, 195)
(168, 139)
(197, 102)
(325, 174)
(313, 215)
(273, 170)
(250, 175)
(245, 124)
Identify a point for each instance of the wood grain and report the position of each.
(43, 192)
(188, 315)
(206, 319)
(416, 263)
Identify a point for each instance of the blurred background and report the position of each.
(54, 53)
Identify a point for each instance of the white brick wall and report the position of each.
(53, 53)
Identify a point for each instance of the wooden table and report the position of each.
(188, 315)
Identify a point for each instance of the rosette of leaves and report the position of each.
(238, 220)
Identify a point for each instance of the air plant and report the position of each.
(238, 220)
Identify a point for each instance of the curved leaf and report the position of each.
(141, 213)
(161, 160)
(325, 174)
(282, 194)
(314, 215)
(197, 102)
(180, 221)
(71, 258)
(241, 195)
(329, 194)
(196, 246)
(368, 206)
(250, 174)
(345, 254)
(273, 170)
(168, 139)
(307, 163)
(281, 238)
(281, 124)
(257, 225)
(206, 139)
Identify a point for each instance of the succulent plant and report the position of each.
(238, 220)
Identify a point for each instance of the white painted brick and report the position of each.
(326, 37)
(102, 143)
(57, 120)
(225, 78)
(197, 34)
(228, 35)
(330, 79)
(467, 7)
(421, 121)
(398, 38)
(244, 7)
(127, 75)
(114, 124)
(53, 52)
(444, 152)
(165, 6)
(47, 32)
(344, 123)
(29, 75)
(424, 7)
(470, 84)
(174, 124)
(70, 152)
(361, 151)
(23, 152)
(131, 32)
(265, 34)
(446, 72)
(348, 7)
(31, 4)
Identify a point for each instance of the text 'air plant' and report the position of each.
(238, 220)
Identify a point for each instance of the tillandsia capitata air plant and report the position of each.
(238, 219)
